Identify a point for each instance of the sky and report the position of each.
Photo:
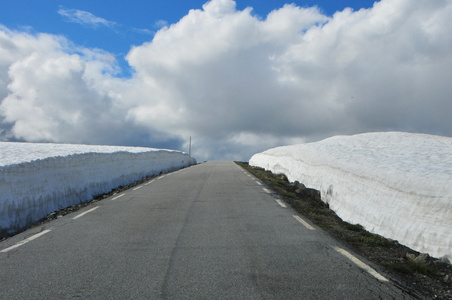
(238, 77)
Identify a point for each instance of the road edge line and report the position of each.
(303, 222)
(361, 264)
(23, 242)
(84, 213)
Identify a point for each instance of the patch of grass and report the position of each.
(353, 227)
(288, 194)
(321, 211)
(278, 182)
(409, 267)
(422, 268)
(376, 240)
(324, 226)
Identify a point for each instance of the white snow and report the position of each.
(37, 179)
(395, 184)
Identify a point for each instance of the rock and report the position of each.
(299, 190)
(410, 256)
(445, 259)
(315, 194)
(423, 258)
(282, 177)
(299, 185)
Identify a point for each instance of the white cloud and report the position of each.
(160, 24)
(219, 8)
(88, 19)
(238, 84)
(58, 93)
(84, 17)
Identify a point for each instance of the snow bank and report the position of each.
(36, 179)
(395, 184)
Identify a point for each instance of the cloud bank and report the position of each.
(237, 83)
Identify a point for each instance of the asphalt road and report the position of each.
(210, 231)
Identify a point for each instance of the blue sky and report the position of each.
(127, 22)
(238, 81)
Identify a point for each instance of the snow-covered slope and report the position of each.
(395, 184)
(36, 179)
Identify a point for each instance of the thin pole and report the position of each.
(189, 148)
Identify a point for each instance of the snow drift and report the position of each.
(36, 179)
(395, 184)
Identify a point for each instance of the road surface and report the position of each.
(211, 231)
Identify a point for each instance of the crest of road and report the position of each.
(211, 231)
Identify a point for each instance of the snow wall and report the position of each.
(30, 190)
(395, 184)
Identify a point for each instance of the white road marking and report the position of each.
(280, 203)
(361, 264)
(149, 182)
(137, 188)
(267, 191)
(119, 196)
(25, 241)
(258, 183)
(303, 222)
(84, 213)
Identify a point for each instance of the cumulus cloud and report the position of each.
(57, 92)
(239, 84)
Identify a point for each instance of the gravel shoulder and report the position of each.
(423, 276)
